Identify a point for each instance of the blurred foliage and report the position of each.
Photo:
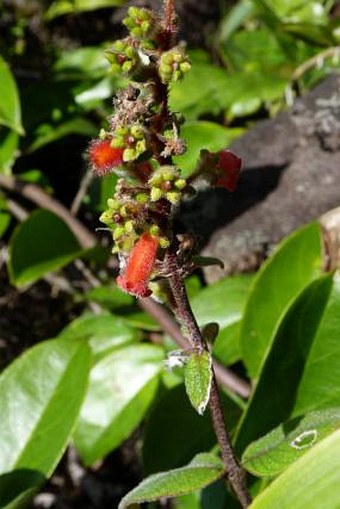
(55, 92)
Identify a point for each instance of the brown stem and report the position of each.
(234, 472)
(225, 377)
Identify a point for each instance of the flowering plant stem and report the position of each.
(234, 472)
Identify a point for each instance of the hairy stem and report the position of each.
(234, 472)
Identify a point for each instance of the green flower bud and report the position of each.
(129, 154)
(107, 218)
(164, 242)
(173, 197)
(118, 232)
(123, 56)
(156, 194)
(173, 65)
(140, 22)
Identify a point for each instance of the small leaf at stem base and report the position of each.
(198, 375)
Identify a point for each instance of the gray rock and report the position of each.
(291, 176)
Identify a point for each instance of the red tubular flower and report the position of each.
(103, 157)
(135, 277)
(229, 166)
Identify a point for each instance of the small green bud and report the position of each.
(129, 154)
(119, 231)
(129, 226)
(106, 218)
(180, 184)
(173, 65)
(164, 242)
(137, 132)
(141, 198)
(173, 197)
(154, 230)
(156, 194)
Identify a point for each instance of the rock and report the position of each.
(291, 176)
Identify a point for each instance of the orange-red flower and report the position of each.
(229, 167)
(135, 278)
(103, 157)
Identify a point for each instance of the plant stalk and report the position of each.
(234, 472)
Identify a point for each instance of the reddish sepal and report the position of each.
(229, 168)
(135, 278)
(103, 157)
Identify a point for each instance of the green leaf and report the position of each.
(226, 297)
(5, 217)
(18, 487)
(227, 347)
(193, 101)
(105, 333)
(41, 244)
(10, 111)
(141, 320)
(40, 397)
(9, 141)
(274, 395)
(310, 33)
(174, 432)
(197, 378)
(49, 133)
(274, 452)
(61, 7)
(234, 19)
(296, 262)
(204, 469)
(82, 63)
(110, 297)
(319, 387)
(122, 387)
(203, 134)
(311, 482)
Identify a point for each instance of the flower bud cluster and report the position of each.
(141, 23)
(166, 183)
(132, 139)
(142, 138)
(173, 65)
(123, 56)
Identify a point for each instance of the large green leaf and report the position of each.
(105, 333)
(311, 482)
(192, 100)
(226, 347)
(18, 487)
(41, 244)
(274, 452)
(274, 395)
(203, 134)
(204, 469)
(174, 432)
(40, 397)
(85, 62)
(293, 266)
(226, 300)
(10, 111)
(121, 389)
(319, 387)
